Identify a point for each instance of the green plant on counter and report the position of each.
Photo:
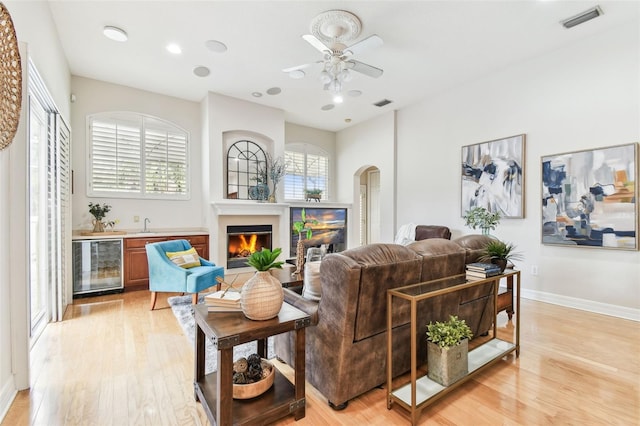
(449, 333)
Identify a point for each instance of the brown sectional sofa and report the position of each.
(346, 344)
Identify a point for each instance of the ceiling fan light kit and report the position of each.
(329, 32)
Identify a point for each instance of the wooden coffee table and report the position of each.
(214, 391)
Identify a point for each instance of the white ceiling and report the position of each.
(429, 46)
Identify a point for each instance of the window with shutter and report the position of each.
(307, 168)
(134, 155)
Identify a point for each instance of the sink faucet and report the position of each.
(146, 219)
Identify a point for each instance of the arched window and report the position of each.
(307, 169)
(136, 155)
(246, 171)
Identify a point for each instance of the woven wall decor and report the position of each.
(10, 79)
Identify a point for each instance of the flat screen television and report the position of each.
(330, 232)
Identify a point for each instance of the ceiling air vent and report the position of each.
(382, 103)
(582, 17)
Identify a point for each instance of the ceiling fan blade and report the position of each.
(370, 42)
(363, 68)
(313, 41)
(297, 67)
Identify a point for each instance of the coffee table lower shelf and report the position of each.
(275, 403)
(427, 390)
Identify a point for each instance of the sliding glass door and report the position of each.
(49, 206)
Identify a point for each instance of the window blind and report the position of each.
(307, 168)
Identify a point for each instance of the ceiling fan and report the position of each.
(330, 31)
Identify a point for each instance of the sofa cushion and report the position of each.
(474, 244)
(382, 267)
(424, 232)
(440, 258)
(311, 288)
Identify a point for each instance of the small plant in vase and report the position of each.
(99, 212)
(302, 226)
(447, 350)
(479, 217)
(313, 194)
(500, 253)
(262, 296)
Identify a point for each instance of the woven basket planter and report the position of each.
(261, 296)
(252, 390)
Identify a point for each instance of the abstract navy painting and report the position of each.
(589, 198)
(493, 176)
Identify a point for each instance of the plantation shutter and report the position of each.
(294, 178)
(115, 155)
(136, 155)
(307, 168)
(165, 159)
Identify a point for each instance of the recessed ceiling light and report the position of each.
(338, 99)
(256, 94)
(215, 46)
(274, 91)
(347, 120)
(114, 33)
(327, 107)
(296, 74)
(201, 71)
(174, 48)
(354, 93)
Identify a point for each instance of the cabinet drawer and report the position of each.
(193, 239)
(141, 242)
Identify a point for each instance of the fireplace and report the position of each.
(244, 240)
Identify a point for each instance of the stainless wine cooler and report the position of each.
(97, 267)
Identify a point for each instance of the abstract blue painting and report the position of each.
(493, 176)
(589, 198)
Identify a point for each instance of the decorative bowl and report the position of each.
(252, 390)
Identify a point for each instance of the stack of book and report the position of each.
(223, 301)
(479, 270)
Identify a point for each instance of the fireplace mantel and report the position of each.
(247, 207)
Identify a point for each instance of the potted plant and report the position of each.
(479, 217)
(302, 226)
(261, 296)
(313, 194)
(277, 169)
(447, 350)
(499, 253)
(99, 212)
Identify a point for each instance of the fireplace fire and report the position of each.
(242, 241)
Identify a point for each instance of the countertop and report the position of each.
(138, 234)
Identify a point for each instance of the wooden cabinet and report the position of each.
(136, 269)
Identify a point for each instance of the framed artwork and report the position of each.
(493, 176)
(589, 198)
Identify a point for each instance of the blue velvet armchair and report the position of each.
(164, 275)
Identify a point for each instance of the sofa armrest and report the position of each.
(307, 306)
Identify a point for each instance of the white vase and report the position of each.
(261, 296)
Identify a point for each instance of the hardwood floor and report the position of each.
(113, 362)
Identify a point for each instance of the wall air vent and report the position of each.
(382, 103)
(582, 17)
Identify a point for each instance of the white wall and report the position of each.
(585, 95)
(371, 143)
(39, 41)
(93, 96)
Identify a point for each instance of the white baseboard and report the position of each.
(7, 395)
(582, 304)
